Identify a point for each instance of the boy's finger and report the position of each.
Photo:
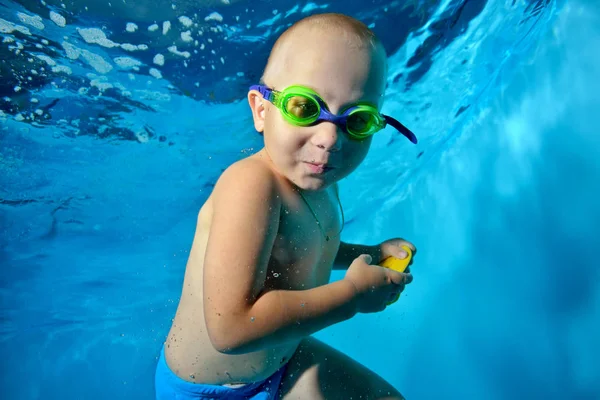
(403, 242)
(402, 254)
(408, 278)
(397, 278)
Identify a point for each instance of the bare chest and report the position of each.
(302, 256)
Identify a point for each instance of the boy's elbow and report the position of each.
(226, 339)
(230, 347)
(222, 346)
(219, 338)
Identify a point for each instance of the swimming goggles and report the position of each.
(301, 106)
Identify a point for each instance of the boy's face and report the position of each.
(316, 156)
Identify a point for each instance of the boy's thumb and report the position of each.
(367, 258)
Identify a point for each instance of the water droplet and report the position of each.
(252, 319)
(276, 274)
(192, 376)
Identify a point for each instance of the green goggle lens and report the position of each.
(301, 109)
(361, 122)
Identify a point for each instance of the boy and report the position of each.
(256, 284)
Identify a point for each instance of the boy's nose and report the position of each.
(327, 136)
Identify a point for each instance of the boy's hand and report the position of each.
(392, 247)
(375, 286)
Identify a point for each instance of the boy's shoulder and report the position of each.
(248, 174)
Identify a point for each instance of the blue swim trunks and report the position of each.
(171, 387)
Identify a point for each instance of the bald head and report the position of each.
(314, 34)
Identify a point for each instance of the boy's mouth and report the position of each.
(318, 168)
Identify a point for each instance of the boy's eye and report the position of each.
(301, 107)
(360, 121)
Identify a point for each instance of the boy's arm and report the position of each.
(347, 252)
(240, 315)
(282, 316)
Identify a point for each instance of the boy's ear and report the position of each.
(257, 105)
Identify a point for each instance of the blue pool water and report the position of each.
(111, 139)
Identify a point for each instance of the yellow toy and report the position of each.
(397, 264)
